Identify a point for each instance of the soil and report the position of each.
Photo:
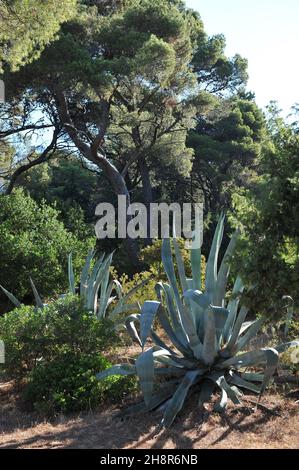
(273, 425)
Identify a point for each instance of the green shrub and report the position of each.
(151, 256)
(69, 384)
(33, 242)
(32, 336)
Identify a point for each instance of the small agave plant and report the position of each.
(207, 346)
(96, 288)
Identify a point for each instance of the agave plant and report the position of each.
(207, 346)
(96, 288)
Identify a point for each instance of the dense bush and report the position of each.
(40, 336)
(33, 242)
(56, 352)
(70, 384)
(154, 272)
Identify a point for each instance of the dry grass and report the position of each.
(239, 427)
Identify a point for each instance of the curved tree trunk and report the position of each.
(147, 195)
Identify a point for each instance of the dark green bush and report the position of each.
(33, 336)
(33, 242)
(70, 384)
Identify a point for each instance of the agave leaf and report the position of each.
(145, 372)
(198, 303)
(161, 343)
(172, 371)
(11, 297)
(233, 308)
(198, 297)
(85, 273)
(106, 289)
(119, 369)
(251, 332)
(221, 284)
(38, 300)
(169, 269)
(196, 267)
(184, 315)
(71, 275)
(220, 406)
(241, 382)
(245, 326)
(271, 365)
(183, 348)
(131, 329)
(119, 288)
(253, 376)
(185, 334)
(92, 277)
(177, 401)
(220, 316)
(211, 269)
(209, 351)
(174, 317)
(237, 327)
(206, 391)
(251, 358)
(157, 399)
(284, 346)
(122, 306)
(220, 381)
(148, 313)
(102, 277)
(105, 299)
(180, 265)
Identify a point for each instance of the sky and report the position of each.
(266, 32)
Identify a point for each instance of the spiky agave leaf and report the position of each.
(208, 336)
(11, 297)
(37, 297)
(71, 275)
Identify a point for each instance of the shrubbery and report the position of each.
(151, 257)
(56, 351)
(32, 336)
(70, 384)
(33, 242)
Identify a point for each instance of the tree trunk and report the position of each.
(147, 195)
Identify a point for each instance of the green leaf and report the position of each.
(209, 351)
(241, 382)
(206, 391)
(237, 327)
(271, 365)
(233, 308)
(117, 370)
(131, 328)
(71, 275)
(251, 332)
(145, 371)
(223, 272)
(38, 300)
(196, 267)
(147, 315)
(177, 401)
(211, 269)
(220, 405)
(85, 273)
(11, 297)
(180, 265)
